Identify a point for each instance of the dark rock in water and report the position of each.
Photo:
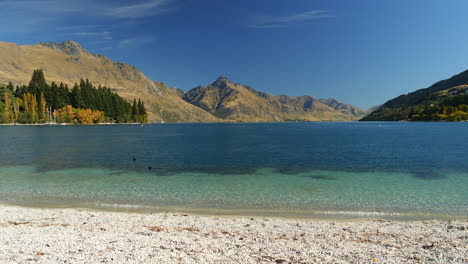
(427, 175)
(321, 177)
(220, 170)
(292, 170)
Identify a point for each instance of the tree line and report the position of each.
(85, 103)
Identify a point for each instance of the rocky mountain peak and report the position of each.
(330, 100)
(221, 82)
(69, 47)
(222, 79)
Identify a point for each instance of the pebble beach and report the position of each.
(33, 235)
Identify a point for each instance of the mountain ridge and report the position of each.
(241, 103)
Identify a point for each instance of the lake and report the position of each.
(395, 170)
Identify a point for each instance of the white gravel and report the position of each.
(80, 236)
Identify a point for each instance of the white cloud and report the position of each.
(109, 9)
(142, 9)
(105, 35)
(94, 34)
(263, 21)
(137, 41)
(102, 20)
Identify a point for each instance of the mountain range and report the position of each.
(221, 101)
(236, 102)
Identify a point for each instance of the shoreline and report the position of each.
(319, 215)
(70, 124)
(87, 236)
(232, 122)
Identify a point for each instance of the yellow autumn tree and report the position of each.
(88, 116)
(16, 108)
(30, 107)
(84, 116)
(7, 108)
(98, 116)
(68, 114)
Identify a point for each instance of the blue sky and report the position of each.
(362, 52)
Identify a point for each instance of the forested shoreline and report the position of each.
(452, 108)
(85, 103)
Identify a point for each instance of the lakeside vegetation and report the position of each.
(446, 100)
(452, 108)
(85, 103)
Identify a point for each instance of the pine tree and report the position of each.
(142, 115)
(10, 87)
(135, 112)
(63, 97)
(53, 98)
(3, 90)
(37, 83)
(141, 108)
(76, 97)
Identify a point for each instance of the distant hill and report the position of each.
(69, 62)
(178, 91)
(372, 109)
(343, 108)
(236, 102)
(425, 104)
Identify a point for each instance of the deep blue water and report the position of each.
(297, 169)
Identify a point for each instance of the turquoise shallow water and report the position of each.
(348, 170)
(266, 191)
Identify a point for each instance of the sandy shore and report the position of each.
(80, 236)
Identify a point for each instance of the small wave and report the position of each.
(127, 206)
(360, 213)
